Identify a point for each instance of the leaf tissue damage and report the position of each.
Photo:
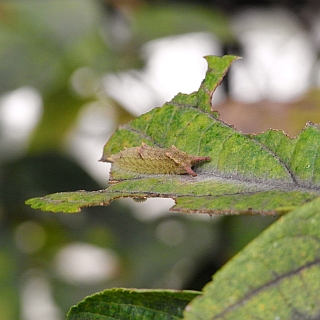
(183, 151)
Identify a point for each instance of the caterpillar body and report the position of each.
(151, 160)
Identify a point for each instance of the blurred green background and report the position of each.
(70, 73)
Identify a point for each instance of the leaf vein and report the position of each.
(269, 284)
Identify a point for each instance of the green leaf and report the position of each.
(275, 277)
(267, 174)
(132, 304)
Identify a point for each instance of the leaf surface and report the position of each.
(275, 277)
(132, 304)
(269, 173)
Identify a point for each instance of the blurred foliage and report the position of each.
(290, 117)
(179, 19)
(42, 45)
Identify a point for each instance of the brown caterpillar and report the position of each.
(146, 159)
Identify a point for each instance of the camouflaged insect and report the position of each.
(150, 160)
